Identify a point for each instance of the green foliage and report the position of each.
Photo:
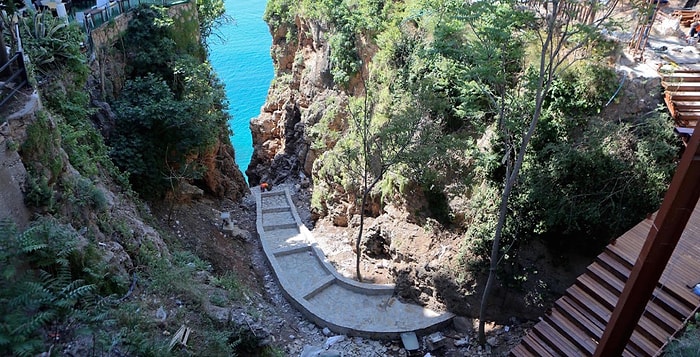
(38, 286)
(69, 104)
(344, 59)
(687, 345)
(326, 133)
(351, 20)
(11, 145)
(479, 235)
(42, 150)
(156, 132)
(582, 89)
(52, 44)
(135, 333)
(40, 193)
(212, 15)
(581, 190)
(232, 284)
(150, 47)
(173, 109)
(278, 12)
(185, 33)
(84, 194)
(175, 277)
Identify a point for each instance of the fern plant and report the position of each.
(37, 288)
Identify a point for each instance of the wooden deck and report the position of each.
(576, 322)
(682, 97)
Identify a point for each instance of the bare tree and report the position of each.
(382, 145)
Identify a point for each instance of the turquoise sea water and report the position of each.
(243, 63)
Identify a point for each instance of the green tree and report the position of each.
(558, 37)
(148, 43)
(212, 15)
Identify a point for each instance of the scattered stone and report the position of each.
(330, 353)
(226, 222)
(311, 351)
(377, 243)
(435, 341)
(291, 337)
(463, 324)
(326, 331)
(333, 340)
(492, 341)
(410, 341)
(218, 313)
(462, 342)
(161, 314)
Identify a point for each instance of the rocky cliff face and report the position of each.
(295, 102)
(223, 177)
(13, 173)
(100, 210)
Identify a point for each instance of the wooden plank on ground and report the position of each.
(520, 350)
(681, 77)
(687, 105)
(615, 266)
(692, 96)
(653, 335)
(588, 303)
(681, 86)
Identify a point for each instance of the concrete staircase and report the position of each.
(324, 296)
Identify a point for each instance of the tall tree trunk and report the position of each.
(511, 179)
(358, 241)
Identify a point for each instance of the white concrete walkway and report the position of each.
(324, 296)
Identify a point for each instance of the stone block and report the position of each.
(435, 341)
(410, 341)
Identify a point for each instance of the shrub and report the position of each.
(584, 190)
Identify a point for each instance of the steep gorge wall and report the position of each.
(13, 173)
(297, 99)
(223, 177)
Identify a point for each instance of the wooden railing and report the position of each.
(17, 79)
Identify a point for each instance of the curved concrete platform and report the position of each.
(324, 296)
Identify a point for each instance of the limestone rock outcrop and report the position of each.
(223, 178)
(295, 102)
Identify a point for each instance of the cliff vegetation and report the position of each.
(427, 101)
(97, 155)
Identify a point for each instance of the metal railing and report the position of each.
(98, 15)
(15, 81)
